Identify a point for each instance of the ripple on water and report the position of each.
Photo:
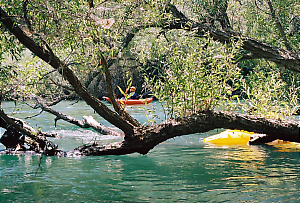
(183, 169)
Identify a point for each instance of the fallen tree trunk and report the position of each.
(147, 137)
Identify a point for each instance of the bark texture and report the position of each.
(87, 122)
(36, 140)
(147, 137)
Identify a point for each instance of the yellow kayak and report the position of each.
(230, 137)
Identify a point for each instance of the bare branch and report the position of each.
(35, 115)
(66, 97)
(61, 85)
(91, 77)
(87, 122)
(111, 95)
(39, 142)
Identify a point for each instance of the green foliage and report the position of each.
(125, 93)
(192, 74)
(6, 74)
(75, 32)
(198, 78)
(269, 95)
(253, 19)
(9, 51)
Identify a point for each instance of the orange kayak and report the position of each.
(132, 101)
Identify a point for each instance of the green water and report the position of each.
(183, 169)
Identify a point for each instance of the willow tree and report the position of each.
(71, 39)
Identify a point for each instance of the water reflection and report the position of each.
(245, 153)
(172, 172)
(285, 146)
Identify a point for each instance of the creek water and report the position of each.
(183, 169)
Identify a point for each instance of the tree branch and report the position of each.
(25, 3)
(91, 77)
(91, 3)
(219, 13)
(148, 137)
(111, 95)
(283, 58)
(38, 142)
(61, 85)
(49, 57)
(87, 122)
(56, 101)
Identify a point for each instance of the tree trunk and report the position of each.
(35, 140)
(147, 137)
(49, 57)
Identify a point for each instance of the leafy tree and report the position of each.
(196, 47)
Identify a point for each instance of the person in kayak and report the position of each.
(132, 94)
